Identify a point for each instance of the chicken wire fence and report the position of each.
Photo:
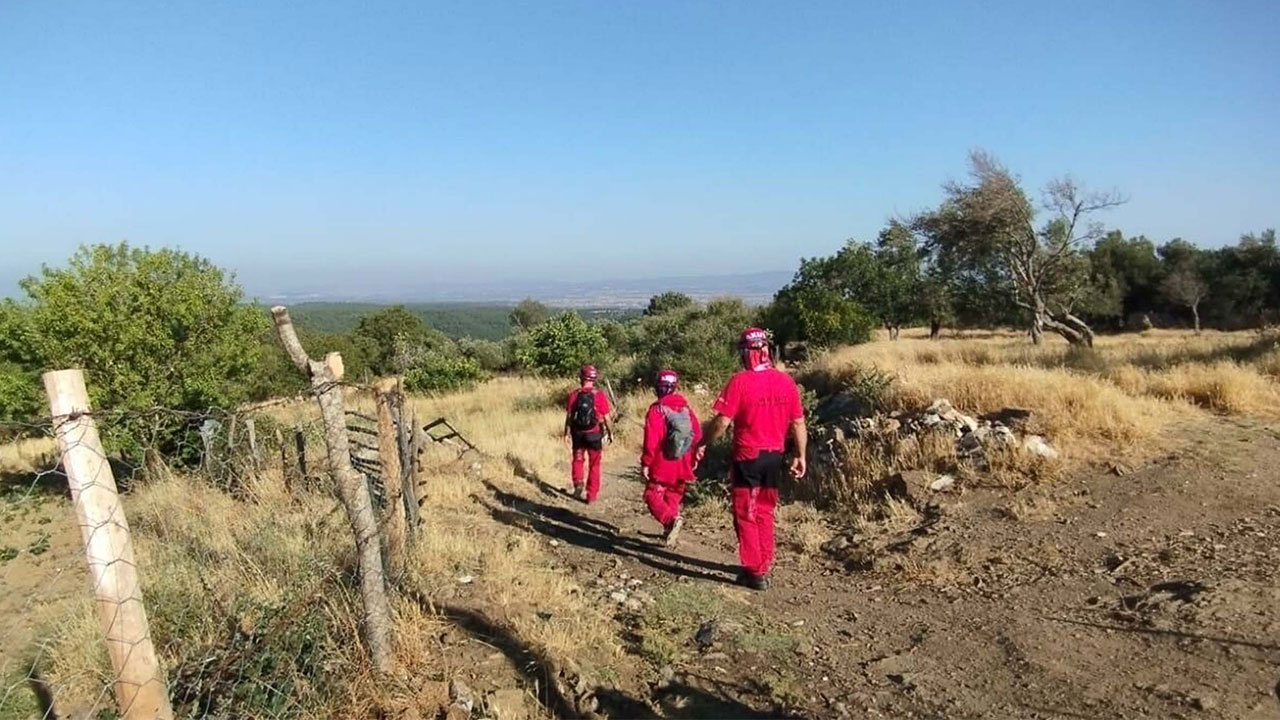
(127, 666)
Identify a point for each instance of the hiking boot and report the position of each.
(673, 532)
(753, 581)
(580, 492)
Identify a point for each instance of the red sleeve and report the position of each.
(797, 407)
(727, 403)
(654, 430)
(602, 403)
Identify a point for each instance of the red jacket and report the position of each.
(661, 468)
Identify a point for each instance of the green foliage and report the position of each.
(561, 345)
(699, 342)
(817, 314)
(150, 328)
(20, 396)
(491, 356)
(390, 338)
(529, 314)
(668, 302)
(438, 372)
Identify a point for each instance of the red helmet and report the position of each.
(753, 338)
(588, 372)
(667, 378)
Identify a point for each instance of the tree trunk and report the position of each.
(1037, 330)
(1070, 327)
(352, 490)
(1195, 312)
(935, 329)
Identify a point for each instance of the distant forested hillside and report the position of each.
(457, 320)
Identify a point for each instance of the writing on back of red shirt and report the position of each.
(762, 405)
(602, 406)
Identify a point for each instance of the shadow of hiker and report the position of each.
(524, 472)
(570, 527)
(532, 664)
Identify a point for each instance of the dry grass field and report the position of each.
(249, 588)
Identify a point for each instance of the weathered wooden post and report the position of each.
(326, 384)
(300, 449)
(386, 397)
(252, 433)
(284, 460)
(139, 684)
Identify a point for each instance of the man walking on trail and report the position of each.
(763, 404)
(586, 427)
(671, 433)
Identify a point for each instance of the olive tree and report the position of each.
(990, 224)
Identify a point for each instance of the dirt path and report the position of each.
(1147, 594)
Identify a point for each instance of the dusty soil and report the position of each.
(1145, 592)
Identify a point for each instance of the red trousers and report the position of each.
(753, 521)
(664, 500)
(582, 457)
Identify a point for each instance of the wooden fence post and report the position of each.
(385, 396)
(252, 434)
(139, 684)
(300, 449)
(326, 379)
(284, 461)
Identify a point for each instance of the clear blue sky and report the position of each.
(317, 141)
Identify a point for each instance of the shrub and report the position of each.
(561, 345)
(698, 342)
(20, 397)
(668, 302)
(436, 372)
(150, 328)
(491, 356)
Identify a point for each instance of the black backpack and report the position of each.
(583, 415)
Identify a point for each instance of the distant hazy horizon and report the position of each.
(356, 148)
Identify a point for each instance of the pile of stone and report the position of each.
(844, 417)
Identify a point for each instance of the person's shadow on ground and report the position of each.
(568, 526)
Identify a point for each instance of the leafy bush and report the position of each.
(698, 342)
(150, 328)
(561, 345)
(668, 302)
(819, 315)
(20, 397)
(490, 355)
(436, 372)
(390, 340)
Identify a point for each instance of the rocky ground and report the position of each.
(1122, 593)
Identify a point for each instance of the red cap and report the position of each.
(669, 378)
(588, 372)
(753, 338)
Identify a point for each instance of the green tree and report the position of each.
(561, 346)
(700, 342)
(668, 302)
(388, 340)
(529, 314)
(896, 284)
(817, 314)
(152, 329)
(990, 224)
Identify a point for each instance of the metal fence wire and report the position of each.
(65, 652)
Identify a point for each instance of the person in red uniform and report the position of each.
(665, 476)
(763, 404)
(586, 428)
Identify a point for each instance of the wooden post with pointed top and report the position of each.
(326, 377)
(139, 683)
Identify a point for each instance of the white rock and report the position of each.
(618, 596)
(465, 579)
(942, 483)
(1039, 446)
